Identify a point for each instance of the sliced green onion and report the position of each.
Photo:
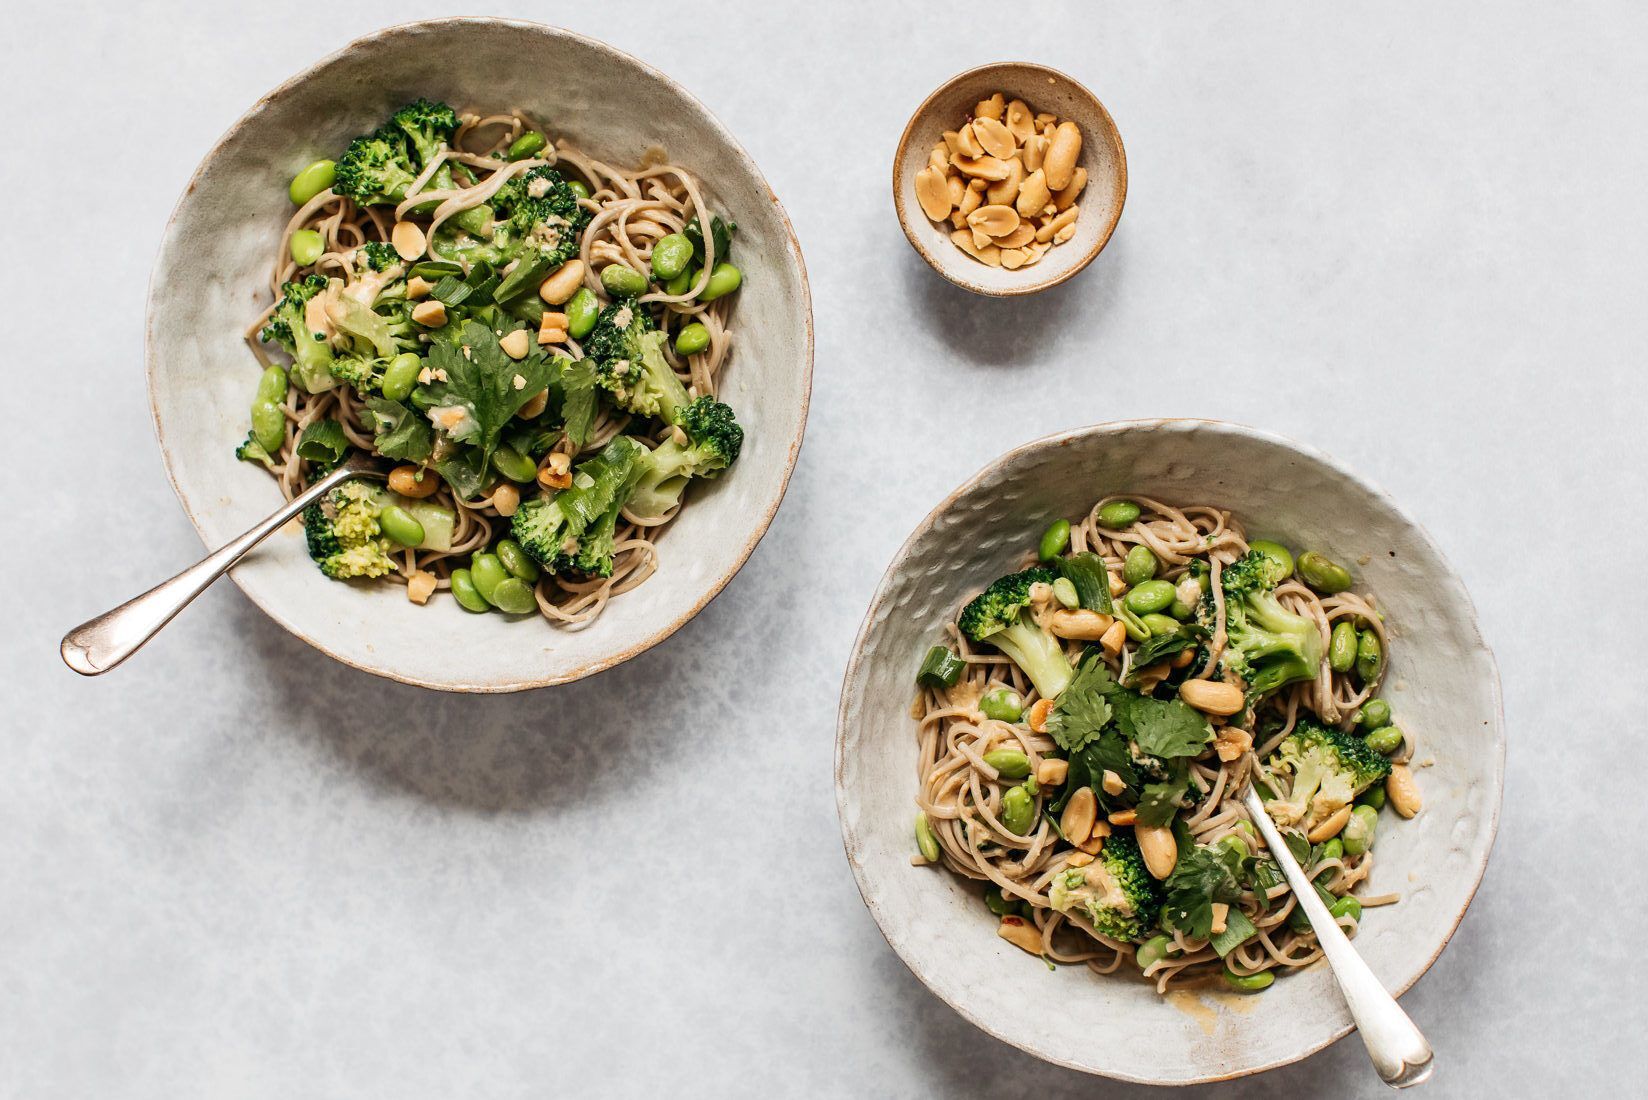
(323, 443)
(1092, 582)
(940, 668)
(1238, 930)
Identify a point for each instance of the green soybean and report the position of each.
(692, 339)
(1276, 552)
(1002, 704)
(723, 281)
(464, 591)
(1148, 596)
(1332, 849)
(1323, 573)
(579, 188)
(1118, 514)
(515, 560)
(998, 904)
(1152, 951)
(514, 596)
(526, 145)
(1373, 798)
(1018, 811)
(306, 247)
(670, 257)
(1054, 540)
(1064, 590)
(1009, 762)
(487, 572)
(514, 465)
(1370, 656)
(623, 281)
(271, 385)
(1181, 610)
(1248, 983)
(1374, 713)
(1235, 844)
(1360, 830)
(1342, 646)
(312, 181)
(1139, 565)
(1160, 625)
(683, 282)
(582, 311)
(1346, 906)
(401, 375)
(1385, 739)
(401, 526)
(268, 425)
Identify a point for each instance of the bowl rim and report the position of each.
(588, 667)
(856, 662)
(1114, 215)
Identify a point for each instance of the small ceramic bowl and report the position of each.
(1443, 686)
(211, 281)
(1043, 89)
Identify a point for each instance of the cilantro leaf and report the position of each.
(1158, 802)
(1202, 876)
(1083, 709)
(1160, 646)
(399, 431)
(1106, 752)
(1166, 728)
(1238, 930)
(578, 399)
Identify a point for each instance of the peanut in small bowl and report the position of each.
(971, 214)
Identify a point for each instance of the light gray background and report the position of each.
(1410, 234)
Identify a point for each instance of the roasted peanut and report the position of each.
(408, 240)
(1402, 791)
(410, 481)
(933, 192)
(1212, 696)
(1159, 849)
(562, 283)
(1076, 822)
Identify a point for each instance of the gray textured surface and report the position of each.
(1411, 235)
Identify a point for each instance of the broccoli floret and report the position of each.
(534, 219)
(426, 126)
(572, 531)
(713, 442)
(377, 168)
(1115, 892)
(1001, 616)
(253, 451)
(364, 373)
(1268, 645)
(1327, 769)
(380, 255)
(310, 351)
(629, 362)
(343, 534)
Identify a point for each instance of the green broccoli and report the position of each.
(572, 532)
(1115, 892)
(253, 451)
(1327, 768)
(1001, 616)
(534, 219)
(1268, 645)
(427, 127)
(311, 352)
(629, 355)
(376, 168)
(343, 534)
(712, 444)
(380, 255)
(364, 373)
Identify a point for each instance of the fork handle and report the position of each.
(96, 646)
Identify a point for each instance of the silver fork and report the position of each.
(1400, 1053)
(96, 646)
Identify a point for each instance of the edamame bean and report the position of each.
(1370, 656)
(463, 590)
(1323, 573)
(401, 526)
(306, 247)
(268, 425)
(1064, 590)
(401, 375)
(1332, 849)
(999, 904)
(925, 838)
(487, 572)
(1373, 798)
(1360, 829)
(271, 385)
(1018, 811)
(1152, 951)
(683, 282)
(312, 181)
(514, 465)
(1003, 705)
(1276, 552)
(1139, 565)
(1374, 713)
(579, 188)
(723, 281)
(514, 596)
(623, 281)
(1342, 646)
(1234, 843)
(1055, 540)
(1248, 983)
(515, 560)
(1011, 763)
(1385, 739)
(670, 257)
(1148, 596)
(526, 145)
(1118, 514)
(692, 339)
(1346, 906)
(1181, 610)
(582, 311)
(1160, 625)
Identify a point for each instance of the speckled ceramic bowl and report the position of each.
(211, 281)
(1444, 687)
(1044, 89)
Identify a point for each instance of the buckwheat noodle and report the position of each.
(962, 795)
(630, 211)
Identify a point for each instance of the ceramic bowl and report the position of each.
(1444, 687)
(1044, 89)
(211, 280)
